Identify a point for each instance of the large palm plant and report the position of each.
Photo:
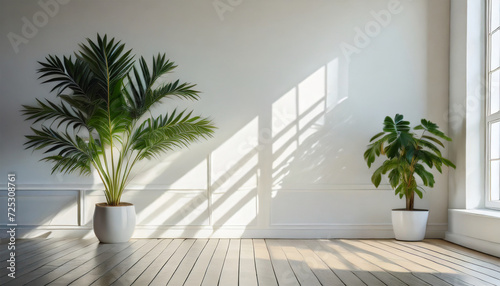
(102, 120)
(407, 154)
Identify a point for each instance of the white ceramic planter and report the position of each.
(114, 224)
(409, 225)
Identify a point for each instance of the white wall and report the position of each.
(296, 88)
(466, 108)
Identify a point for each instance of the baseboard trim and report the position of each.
(485, 246)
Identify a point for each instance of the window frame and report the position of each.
(490, 118)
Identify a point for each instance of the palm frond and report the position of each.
(108, 62)
(71, 154)
(67, 73)
(142, 95)
(165, 133)
(110, 65)
(51, 111)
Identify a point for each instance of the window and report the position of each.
(493, 107)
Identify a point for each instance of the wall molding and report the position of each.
(99, 187)
(485, 246)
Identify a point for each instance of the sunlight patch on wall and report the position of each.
(334, 95)
(234, 177)
(297, 116)
(284, 112)
(311, 103)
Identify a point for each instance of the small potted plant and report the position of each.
(102, 122)
(408, 156)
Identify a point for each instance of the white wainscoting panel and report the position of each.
(331, 207)
(42, 208)
(159, 207)
(234, 207)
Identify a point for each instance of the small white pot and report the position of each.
(409, 225)
(114, 224)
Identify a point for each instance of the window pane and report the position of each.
(495, 141)
(495, 92)
(495, 180)
(495, 50)
(495, 14)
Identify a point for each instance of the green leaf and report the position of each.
(372, 152)
(50, 111)
(433, 139)
(70, 156)
(377, 177)
(377, 136)
(165, 133)
(394, 177)
(427, 177)
(432, 128)
(448, 163)
(419, 191)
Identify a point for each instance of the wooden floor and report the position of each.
(247, 262)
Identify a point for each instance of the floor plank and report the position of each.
(131, 275)
(351, 269)
(465, 251)
(154, 268)
(324, 274)
(172, 264)
(182, 272)
(121, 268)
(69, 262)
(41, 263)
(230, 270)
(28, 256)
(263, 265)
(465, 267)
(214, 270)
(103, 268)
(253, 262)
(422, 270)
(304, 274)
(495, 268)
(248, 273)
(450, 274)
(395, 265)
(199, 270)
(108, 251)
(283, 270)
(23, 245)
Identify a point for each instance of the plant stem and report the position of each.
(115, 200)
(410, 196)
